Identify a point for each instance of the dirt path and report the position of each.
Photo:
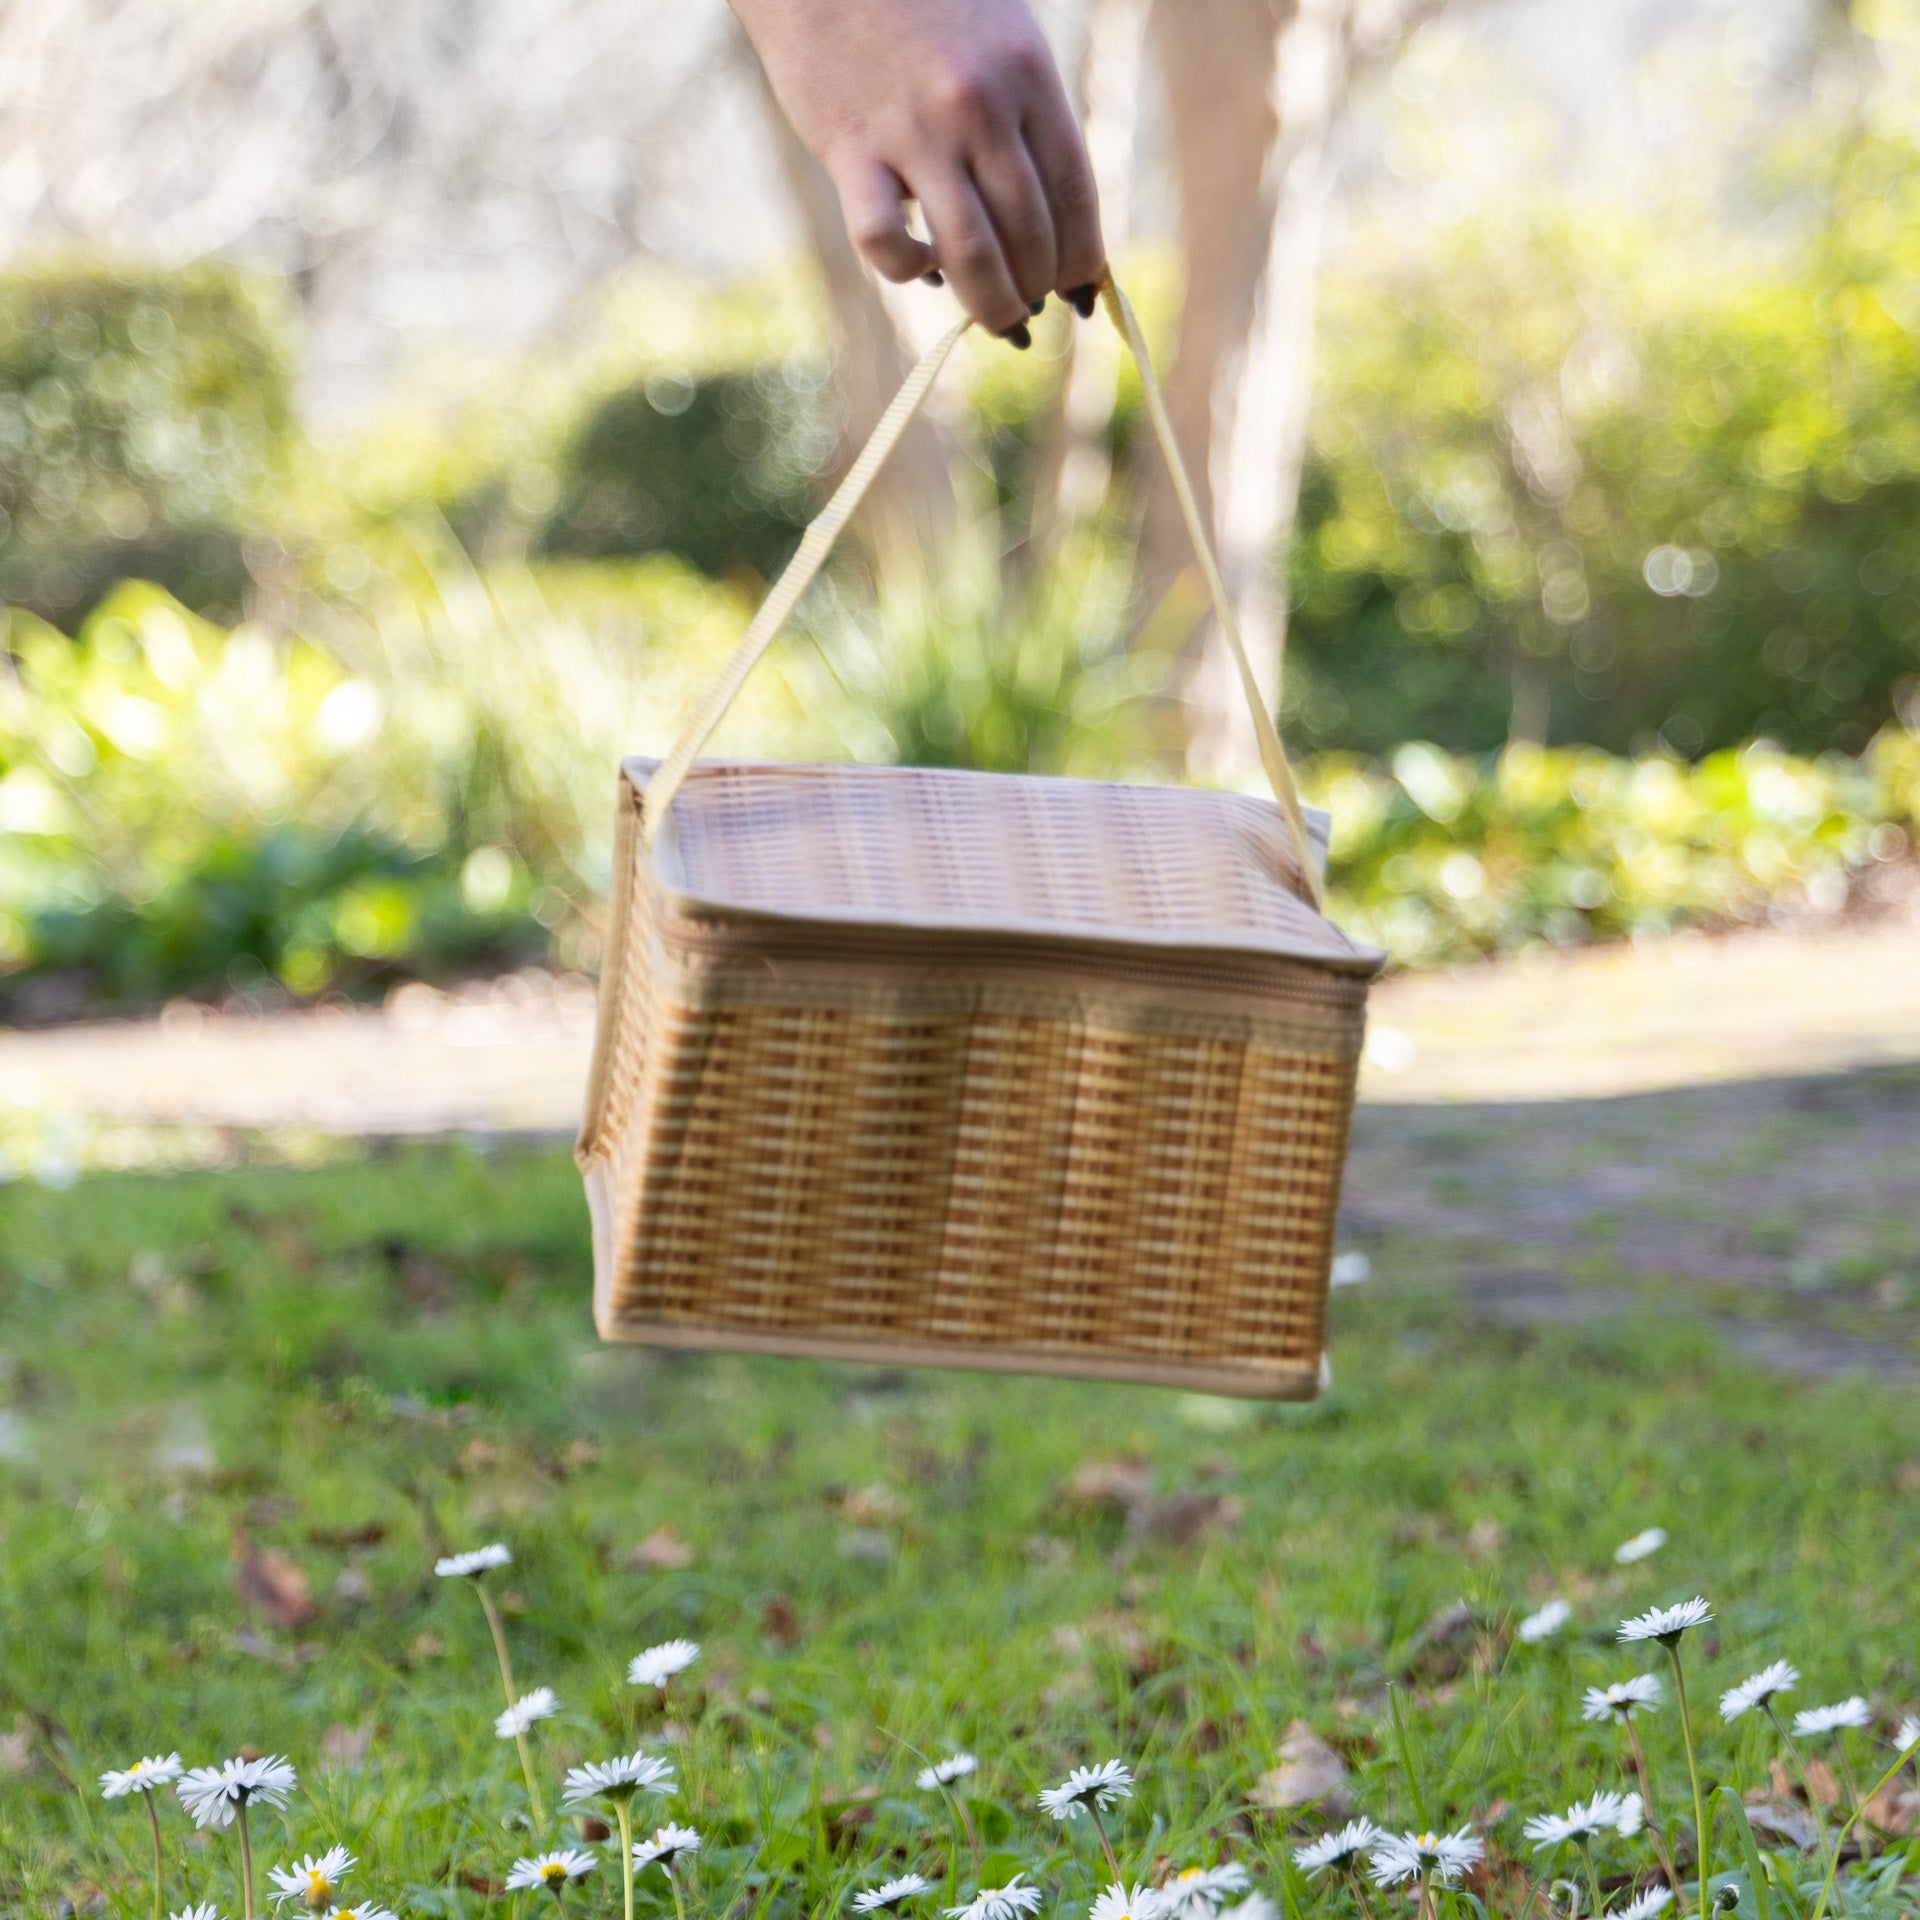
(1728, 1126)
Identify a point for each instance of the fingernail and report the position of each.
(1081, 300)
(934, 279)
(1018, 336)
(1036, 306)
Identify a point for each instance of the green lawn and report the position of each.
(358, 1368)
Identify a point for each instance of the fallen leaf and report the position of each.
(346, 1747)
(874, 1507)
(1820, 1778)
(1310, 1773)
(779, 1622)
(1110, 1486)
(1784, 1820)
(662, 1551)
(16, 1749)
(1485, 1538)
(1894, 1809)
(269, 1583)
(1441, 1649)
(1184, 1517)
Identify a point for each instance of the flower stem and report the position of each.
(1815, 1811)
(1100, 1827)
(966, 1826)
(513, 1697)
(679, 1905)
(1359, 1892)
(1426, 1896)
(1593, 1876)
(1655, 1832)
(246, 1866)
(159, 1858)
(1700, 1835)
(623, 1811)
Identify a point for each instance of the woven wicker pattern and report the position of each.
(922, 1147)
(975, 850)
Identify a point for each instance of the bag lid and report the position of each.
(951, 850)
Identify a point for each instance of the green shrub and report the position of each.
(143, 412)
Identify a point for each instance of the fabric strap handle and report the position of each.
(817, 543)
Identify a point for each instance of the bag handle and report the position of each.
(818, 541)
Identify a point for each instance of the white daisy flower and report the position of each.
(658, 1665)
(943, 1773)
(1623, 1699)
(1641, 1547)
(549, 1870)
(891, 1895)
(1412, 1856)
(458, 1566)
(1197, 1894)
(1256, 1906)
(617, 1779)
(1666, 1624)
(1758, 1689)
(1654, 1900)
(206, 1912)
(1126, 1903)
(999, 1903)
(666, 1846)
(1546, 1623)
(1097, 1786)
(312, 1880)
(144, 1776)
(540, 1704)
(1909, 1733)
(213, 1794)
(1339, 1849)
(360, 1913)
(1851, 1712)
(1606, 1812)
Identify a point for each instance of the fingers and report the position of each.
(872, 201)
(1073, 202)
(967, 248)
(1010, 190)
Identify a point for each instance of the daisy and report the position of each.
(1909, 1733)
(144, 1776)
(1640, 1547)
(214, 1794)
(666, 1846)
(457, 1566)
(658, 1665)
(1654, 1900)
(207, 1912)
(1197, 1893)
(617, 1779)
(1416, 1856)
(1546, 1623)
(1585, 1820)
(1126, 1903)
(891, 1895)
(999, 1903)
(1256, 1906)
(312, 1880)
(1666, 1624)
(1340, 1849)
(1623, 1699)
(540, 1704)
(361, 1913)
(550, 1870)
(943, 1773)
(1758, 1690)
(1085, 1787)
(1851, 1712)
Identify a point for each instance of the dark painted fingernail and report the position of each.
(934, 279)
(1036, 306)
(1081, 300)
(1018, 336)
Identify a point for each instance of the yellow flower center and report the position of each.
(552, 1871)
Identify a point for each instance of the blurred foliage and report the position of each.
(1438, 857)
(144, 413)
(1607, 484)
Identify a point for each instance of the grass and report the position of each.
(230, 1390)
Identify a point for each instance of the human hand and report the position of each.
(956, 104)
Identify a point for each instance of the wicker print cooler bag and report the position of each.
(967, 1069)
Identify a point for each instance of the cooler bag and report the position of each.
(937, 1067)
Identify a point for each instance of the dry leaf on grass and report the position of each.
(1310, 1773)
(346, 1747)
(1895, 1809)
(779, 1621)
(270, 1584)
(662, 1551)
(1782, 1820)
